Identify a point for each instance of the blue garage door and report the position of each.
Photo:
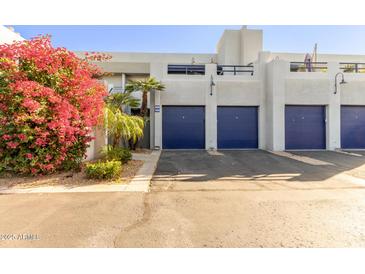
(183, 127)
(305, 127)
(237, 127)
(353, 127)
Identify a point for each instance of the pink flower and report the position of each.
(29, 156)
(48, 157)
(52, 125)
(3, 107)
(38, 120)
(40, 142)
(30, 104)
(12, 144)
(6, 137)
(48, 167)
(22, 137)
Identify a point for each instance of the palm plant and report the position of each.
(144, 86)
(122, 99)
(119, 124)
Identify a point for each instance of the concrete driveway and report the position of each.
(232, 199)
(257, 169)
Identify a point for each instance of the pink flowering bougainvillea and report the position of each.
(49, 101)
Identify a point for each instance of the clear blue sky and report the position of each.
(199, 39)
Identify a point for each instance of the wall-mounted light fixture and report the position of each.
(342, 80)
(212, 84)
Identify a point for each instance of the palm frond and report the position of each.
(144, 85)
(121, 125)
(123, 99)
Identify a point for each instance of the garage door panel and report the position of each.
(353, 127)
(305, 127)
(183, 127)
(237, 127)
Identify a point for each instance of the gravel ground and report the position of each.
(69, 178)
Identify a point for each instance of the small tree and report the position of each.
(145, 86)
(120, 125)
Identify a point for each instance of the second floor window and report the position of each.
(186, 69)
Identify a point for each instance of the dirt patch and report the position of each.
(69, 178)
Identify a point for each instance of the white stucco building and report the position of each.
(242, 97)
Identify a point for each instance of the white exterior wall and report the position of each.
(270, 88)
(353, 92)
(275, 105)
(251, 45)
(299, 57)
(239, 47)
(229, 48)
(195, 90)
(156, 117)
(309, 88)
(238, 92)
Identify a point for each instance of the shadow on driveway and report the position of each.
(253, 166)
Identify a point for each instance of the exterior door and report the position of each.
(183, 127)
(237, 127)
(305, 127)
(353, 127)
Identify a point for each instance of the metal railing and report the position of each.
(352, 67)
(308, 67)
(186, 69)
(116, 90)
(229, 69)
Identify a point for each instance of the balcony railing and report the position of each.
(186, 69)
(235, 70)
(352, 67)
(308, 67)
(116, 90)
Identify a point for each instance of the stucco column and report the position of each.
(157, 110)
(333, 110)
(101, 140)
(211, 107)
(156, 71)
(152, 120)
(260, 75)
(275, 104)
(123, 81)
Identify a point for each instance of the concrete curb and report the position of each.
(140, 182)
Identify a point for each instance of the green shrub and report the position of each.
(118, 154)
(104, 170)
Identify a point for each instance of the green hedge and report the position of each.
(118, 154)
(104, 170)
